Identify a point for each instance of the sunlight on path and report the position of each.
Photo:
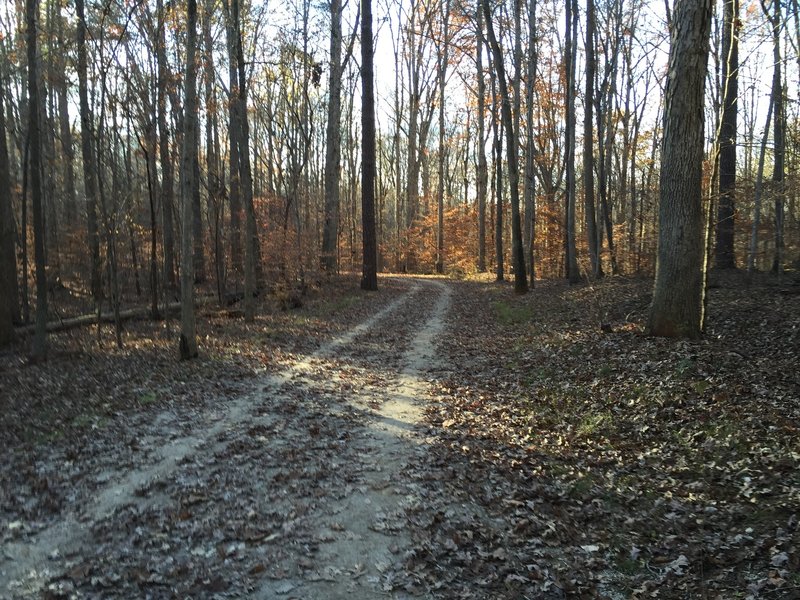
(359, 563)
(26, 567)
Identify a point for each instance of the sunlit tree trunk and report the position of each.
(677, 308)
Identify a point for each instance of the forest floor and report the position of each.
(437, 439)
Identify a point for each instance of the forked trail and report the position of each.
(296, 490)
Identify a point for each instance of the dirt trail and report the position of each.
(311, 461)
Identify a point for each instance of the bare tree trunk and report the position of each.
(725, 256)
(9, 298)
(330, 231)
(751, 260)
(245, 175)
(66, 131)
(588, 147)
(571, 254)
(188, 338)
(214, 204)
(482, 175)
(369, 273)
(518, 254)
(529, 195)
(443, 51)
(167, 173)
(677, 309)
(779, 133)
(497, 160)
(87, 151)
(40, 335)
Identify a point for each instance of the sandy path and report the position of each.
(360, 559)
(359, 528)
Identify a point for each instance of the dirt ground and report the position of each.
(437, 439)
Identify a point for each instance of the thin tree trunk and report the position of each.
(330, 231)
(588, 147)
(442, 74)
(779, 134)
(757, 195)
(188, 337)
(482, 174)
(9, 297)
(87, 151)
(369, 273)
(167, 172)
(529, 196)
(573, 274)
(725, 256)
(40, 335)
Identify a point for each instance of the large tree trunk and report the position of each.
(330, 230)
(725, 257)
(188, 338)
(677, 309)
(40, 335)
(369, 273)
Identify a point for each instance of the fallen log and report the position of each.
(91, 319)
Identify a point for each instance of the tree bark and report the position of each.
(40, 334)
(188, 338)
(333, 150)
(529, 194)
(517, 251)
(571, 253)
(369, 273)
(677, 308)
(443, 52)
(482, 175)
(167, 172)
(779, 134)
(588, 147)
(87, 153)
(725, 256)
(9, 298)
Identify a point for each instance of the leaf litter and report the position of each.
(564, 454)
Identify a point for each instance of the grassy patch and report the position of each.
(508, 313)
(148, 398)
